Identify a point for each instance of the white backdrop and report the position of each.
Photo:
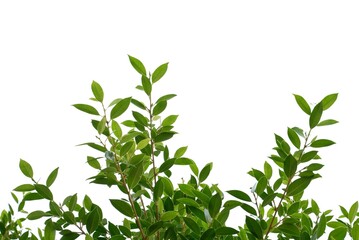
(233, 64)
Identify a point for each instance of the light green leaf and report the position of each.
(116, 129)
(168, 121)
(97, 91)
(353, 211)
(159, 72)
(143, 143)
(36, 215)
(26, 169)
(137, 65)
(24, 188)
(86, 108)
(298, 186)
(166, 98)
(293, 137)
(329, 100)
(93, 162)
(327, 122)
(302, 103)
(168, 216)
(146, 85)
(268, 170)
(180, 152)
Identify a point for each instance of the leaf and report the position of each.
(290, 166)
(168, 121)
(24, 188)
(214, 205)
(86, 108)
(355, 232)
(164, 136)
(338, 233)
(327, 122)
(159, 72)
(268, 170)
(55, 209)
(205, 172)
(302, 103)
(138, 104)
(93, 162)
(94, 146)
(123, 207)
(71, 204)
(116, 129)
(353, 211)
(137, 65)
(208, 234)
(293, 137)
(26, 169)
(226, 231)
(168, 216)
(240, 195)
(166, 98)
(140, 118)
(134, 175)
(166, 165)
(159, 108)
(192, 225)
(321, 226)
(52, 177)
(101, 126)
(97, 91)
(126, 148)
(289, 229)
(143, 143)
(158, 190)
(120, 108)
(154, 228)
(315, 166)
(180, 152)
(316, 115)
(329, 100)
(308, 156)
(44, 191)
(36, 215)
(321, 143)
(188, 202)
(254, 227)
(93, 220)
(50, 231)
(298, 186)
(146, 85)
(187, 189)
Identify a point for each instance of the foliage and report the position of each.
(134, 159)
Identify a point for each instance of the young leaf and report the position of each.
(86, 108)
(159, 72)
(290, 166)
(180, 152)
(137, 65)
(123, 207)
(52, 177)
(205, 172)
(321, 143)
(316, 115)
(214, 205)
(353, 211)
(329, 100)
(302, 103)
(293, 137)
(120, 107)
(97, 91)
(26, 169)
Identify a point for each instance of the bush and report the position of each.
(134, 159)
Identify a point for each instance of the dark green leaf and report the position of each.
(120, 107)
(315, 166)
(94, 146)
(43, 191)
(294, 138)
(52, 177)
(140, 118)
(321, 143)
(123, 207)
(308, 156)
(261, 185)
(254, 227)
(164, 136)
(302, 103)
(24, 188)
(159, 107)
(159, 72)
(134, 175)
(86, 108)
(158, 190)
(189, 202)
(26, 169)
(69, 217)
(226, 231)
(154, 228)
(315, 116)
(290, 166)
(214, 205)
(93, 220)
(205, 172)
(35, 215)
(125, 148)
(137, 65)
(50, 231)
(192, 225)
(97, 91)
(321, 226)
(55, 209)
(327, 122)
(138, 104)
(240, 195)
(289, 229)
(355, 232)
(71, 204)
(329, 100)
(208, 234)
(166, 165)
(298, 186)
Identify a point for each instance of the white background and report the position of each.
(233, 64)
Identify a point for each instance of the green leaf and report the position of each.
(355, 232)
(50, 231)
(140, 118)
(290, 166)
(87, 202)
(214, 205)
(315, 116)
(180, 152)
(166, 165)
(268, 170)
(97, 91)
(298, 186)
(116, 129)
(137, 65)
(321, 143)
(146, 85)
(86, 108)
(315, 166)
(168, 121)
(254, 227)
(159, 107)
(321, 226)
(24, 188)
(93, 162)
(240, 195)
(43, 191)
(187, 189)
(289, 229)
(52, 177)
(353, 211)
(192, 225)
(208, 234)
(329, 100)
(134, 175)
(168, 216)
(327, 122)
(159, 72)
(189, 202)
(338, 233)
(205, 172)
(302, 103)
(158, 190)
(166, 98)
(55, 209)
(101, 126)
(120, 108)
(293, 137)
(138, 104)
(93, 220)
(36, 215)
(26, 169)
(154, 228)
(71, 204)
(94, 146)
(123, 207)
(226, 231)
(69, 217)
(126, 148)
(164, 136)
(308, 156)
(143, 143)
